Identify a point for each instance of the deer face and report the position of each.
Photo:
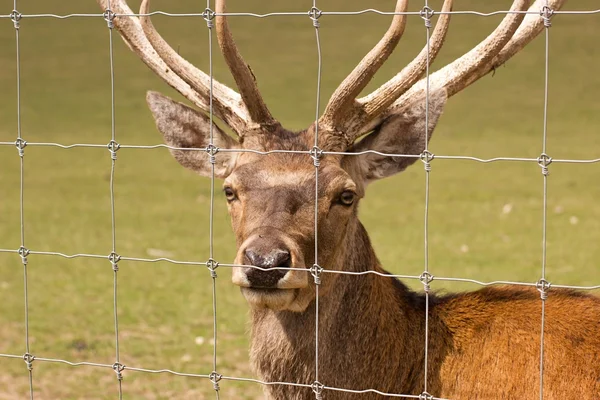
(271, 198)
(271, 202)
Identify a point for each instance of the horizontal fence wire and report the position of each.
(306, 152)
(325, 270)
(27, 255)
(303, 14)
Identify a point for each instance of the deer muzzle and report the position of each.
(269, 262)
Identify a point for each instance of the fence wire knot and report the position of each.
(316, 154)
(426, 279)
(314, 14)
(215, 377)
(212, 151)
(15, 17)
(23, 252)
(546, 13)
(29, 358)
(544, 160)
(114, 259)
(109, 17)
(20, 144)
(426, 157)
(425, 396)
(427, 13)
(113, 147)
(209, 16)
(317, 388)
(316, 271)
(118, 368)
(212, 266)
(543, 286)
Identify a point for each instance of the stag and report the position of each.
(483, 344)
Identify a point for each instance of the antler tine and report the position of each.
(132, 32)
(344, 96)
(244, 78)
(532, 25)
(227, 103)
(456, 75)
(375, 103)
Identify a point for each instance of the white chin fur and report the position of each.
(292, 280)
(275, 299)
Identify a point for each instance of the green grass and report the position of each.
(163, 308)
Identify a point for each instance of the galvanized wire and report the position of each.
(316, 154)
(546, 15)
(21, 144)
(113, 147)
(215, 377)
(309, 152)
(303, 14)
(426, 15)
(325, 271)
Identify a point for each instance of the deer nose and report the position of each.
(269, 260)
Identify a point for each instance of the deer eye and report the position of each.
(347, 197)
(229, 194)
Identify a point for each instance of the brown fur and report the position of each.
(482, 345)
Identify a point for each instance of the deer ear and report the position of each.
(401, 132)
(184, 127)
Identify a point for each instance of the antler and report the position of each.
(343, 110)
(344, 95)
(514, 32)
(343, 107)
(344, 115)
(244, 113)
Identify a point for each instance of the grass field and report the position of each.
(485, 219)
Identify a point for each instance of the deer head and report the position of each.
(271, 198)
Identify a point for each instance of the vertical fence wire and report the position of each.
(315, 13)
(426, 14)
(215, 377)
(546, 14)
(113, 146)
(23, 251)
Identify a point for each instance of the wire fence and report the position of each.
(113, 146)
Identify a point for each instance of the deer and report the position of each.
(483, 344)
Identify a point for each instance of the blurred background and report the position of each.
(485, 219)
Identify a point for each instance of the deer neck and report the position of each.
(367, 317)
